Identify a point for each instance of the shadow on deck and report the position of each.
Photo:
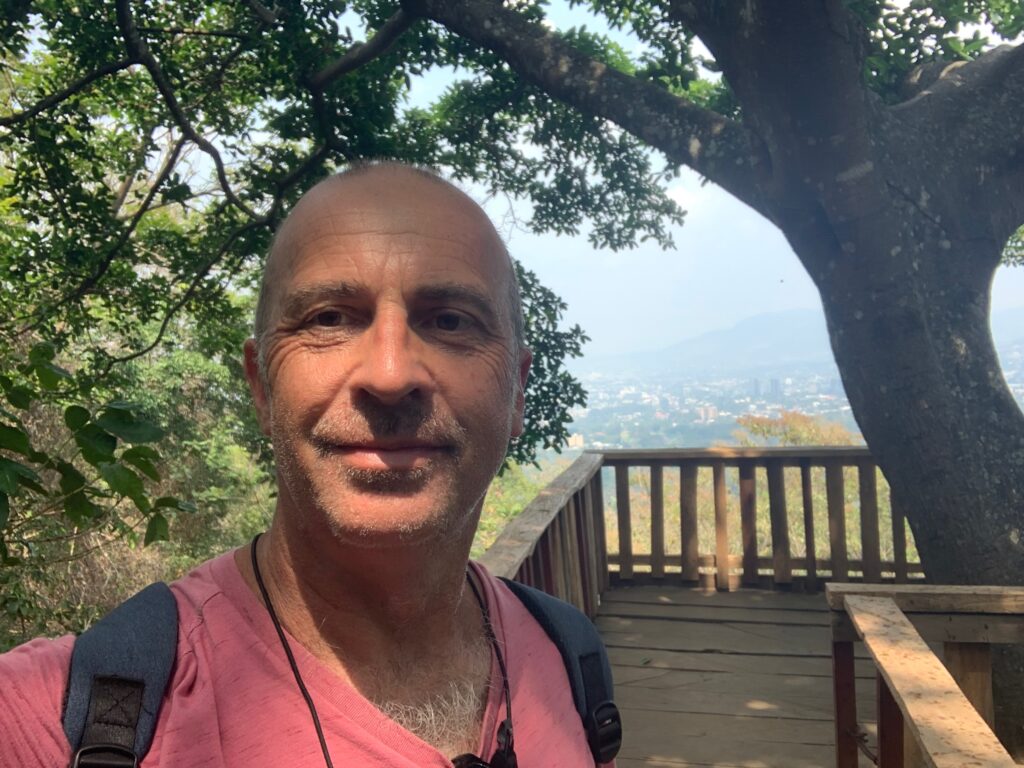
(724, 679)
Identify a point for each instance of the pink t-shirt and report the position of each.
(233, 700)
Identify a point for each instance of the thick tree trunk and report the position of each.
(922, 375)
(923, 378)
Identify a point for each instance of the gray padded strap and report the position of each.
(119, 670)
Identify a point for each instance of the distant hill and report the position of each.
(778, 343)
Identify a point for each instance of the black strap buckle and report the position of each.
(104, 756)
(604, 731)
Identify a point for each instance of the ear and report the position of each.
(519, 406)
(257, 386)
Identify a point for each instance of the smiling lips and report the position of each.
(389, 456)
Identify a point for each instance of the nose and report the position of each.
(390, 366)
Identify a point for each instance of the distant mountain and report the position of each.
(774, 344)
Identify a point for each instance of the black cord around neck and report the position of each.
(288, 653)
(505, 738)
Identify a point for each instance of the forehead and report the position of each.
(387, 226)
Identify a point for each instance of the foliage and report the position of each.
(1013, 253)
(793, 428)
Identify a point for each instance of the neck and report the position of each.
(366, 610)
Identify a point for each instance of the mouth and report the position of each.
(389, 455)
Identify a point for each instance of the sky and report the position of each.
(728, 263)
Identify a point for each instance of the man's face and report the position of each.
(392, 383)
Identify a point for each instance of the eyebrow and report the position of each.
(299, 299)
(458, 293)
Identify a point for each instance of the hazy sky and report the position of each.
(729, 263)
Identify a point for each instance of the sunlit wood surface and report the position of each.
(725, 679)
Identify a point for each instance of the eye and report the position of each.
(328, 318)
(451, 322)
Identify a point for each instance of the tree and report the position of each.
(884, 141)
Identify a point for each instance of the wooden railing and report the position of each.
(560, 542)
(557, 543)
(929, 713)
(734, 560)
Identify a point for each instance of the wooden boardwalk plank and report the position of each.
(725, 679)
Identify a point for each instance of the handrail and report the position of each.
(560, 542)
(731, 492)
(945, 710)
(557, 542)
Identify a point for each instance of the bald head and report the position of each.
(374, 192)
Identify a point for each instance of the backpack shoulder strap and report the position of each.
(119, 669)
(586, 662)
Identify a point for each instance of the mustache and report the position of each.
(371, 420)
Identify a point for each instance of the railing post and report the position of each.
(625, 523)
(689, 537)
(871, 556)
(597, 492)
(810, 542)
(721, 527)
(748, 521)
(970, 664)
(899, 543)
(835, 493)
(890, 727)
(585, 523)
(844, 696)
(782, 572)
(657, 522)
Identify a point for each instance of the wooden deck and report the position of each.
(725, 679)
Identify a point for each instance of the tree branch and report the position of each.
(264, 14)
(88, 283)
(139, 50)
(362, 53)
(974, 113)
(191, 32)
(71, 90)
(714, 146)
(190, 291)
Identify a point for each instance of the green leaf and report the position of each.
(42, 353)
(170, 502)
(50, 376)
(8, 480)
(126, 483)
(71, 480)
(76, 417)
(129, 427)
(143, 464)
(20, 397)
(97, 444)
(142, 452)
(12, 473)
(5, 510)
(156, 530)
(79, 509)
(13, 439)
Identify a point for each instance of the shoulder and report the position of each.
(31, 699)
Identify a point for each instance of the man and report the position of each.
(388, 367)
